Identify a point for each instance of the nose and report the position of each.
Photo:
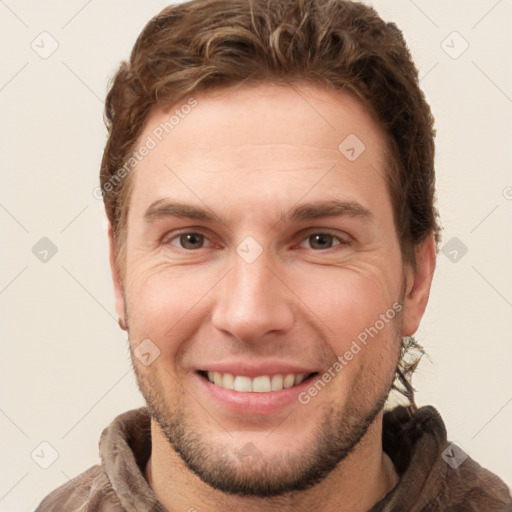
(252, 301)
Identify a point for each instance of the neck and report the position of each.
(362, 479)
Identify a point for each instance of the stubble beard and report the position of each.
(219, 466)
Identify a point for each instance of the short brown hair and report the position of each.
(207, 44)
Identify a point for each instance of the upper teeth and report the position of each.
(261, 384)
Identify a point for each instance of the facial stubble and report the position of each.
(220, 465)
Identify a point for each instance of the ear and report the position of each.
(418, 284)
(116, 279)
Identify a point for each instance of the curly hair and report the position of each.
(201, 45)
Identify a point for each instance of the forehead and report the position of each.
(255, 139)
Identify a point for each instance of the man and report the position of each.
(269, 184)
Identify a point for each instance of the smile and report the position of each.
(259, 384)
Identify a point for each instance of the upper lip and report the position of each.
(254, 370)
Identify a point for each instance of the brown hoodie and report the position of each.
(434, 475)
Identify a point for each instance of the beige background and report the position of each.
(65, 370)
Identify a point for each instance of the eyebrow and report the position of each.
(164, 208)
(328, 209)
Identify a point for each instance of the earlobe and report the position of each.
(418, 286)
(116, 280)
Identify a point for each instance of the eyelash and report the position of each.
(341, 241)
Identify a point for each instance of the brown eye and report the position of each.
(191, 241)
(321, 241)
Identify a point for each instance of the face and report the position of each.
(258, 255)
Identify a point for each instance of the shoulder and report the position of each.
(124, 447)
(472, 488)
(436, 474)
(87, 492)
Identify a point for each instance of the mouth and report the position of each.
(258, 384)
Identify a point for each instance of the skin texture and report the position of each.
(249, 156)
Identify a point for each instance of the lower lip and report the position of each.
(255, 403)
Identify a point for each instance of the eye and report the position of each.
(322, 241)
(188, 241)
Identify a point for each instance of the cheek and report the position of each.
(359, 317)
(346, 300)
(164, 304)
(368, 361)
